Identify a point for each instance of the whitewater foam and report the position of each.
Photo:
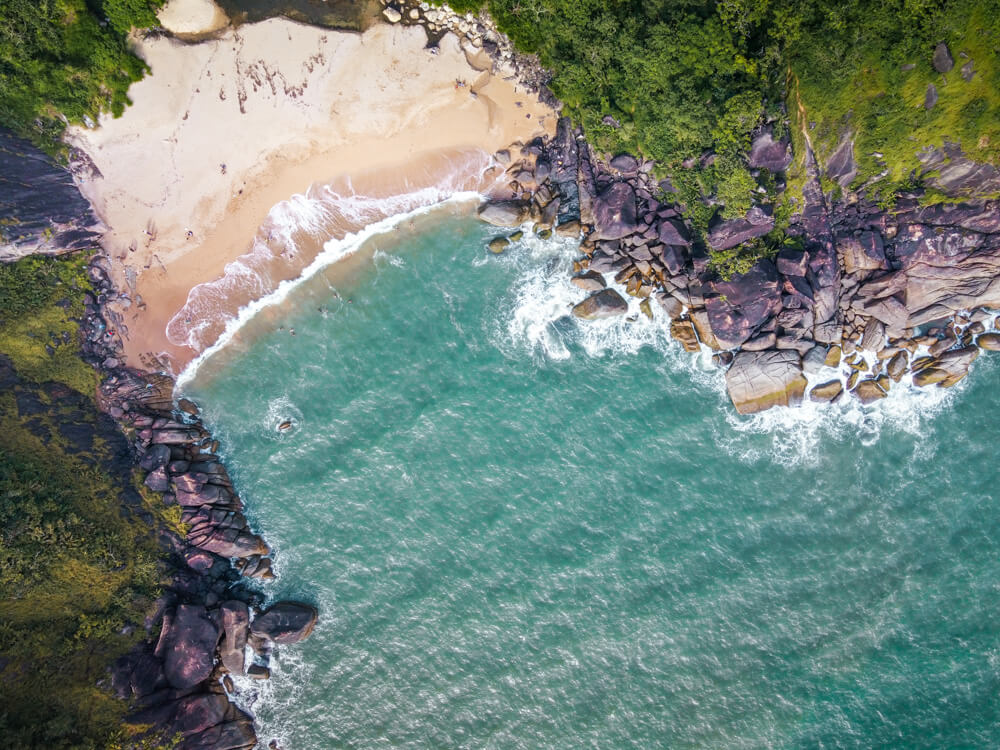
(538, 319)
(333, 250)
(297, 226)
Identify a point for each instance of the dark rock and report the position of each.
(285, 622)
(155, 457)
(190, 647)
(259, 672)
(766, 153)
(590, 281)
(235, 625)
(792, 262)
(760, 380)
(735, 232)
(948, 169)
(606, 303)
(625, 163)
(673, 259)
(743, 304)
(237, 734)
(615, 212)
(942, 60)
(157, 480)
(841, 166)
(196, 713)
(931, 97)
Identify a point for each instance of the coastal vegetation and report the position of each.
(685, 83)
(67, 61)
(77, 569)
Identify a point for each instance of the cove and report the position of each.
(524, 530)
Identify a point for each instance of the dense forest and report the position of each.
(674, 80)
(66, 61)
(79, 565)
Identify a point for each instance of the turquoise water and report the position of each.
(525, 532)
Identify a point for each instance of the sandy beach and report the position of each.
(227, 129)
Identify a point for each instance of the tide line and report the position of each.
(333, 251)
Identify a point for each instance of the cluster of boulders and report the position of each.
(485, 47)
(864, 298)
(180, 682)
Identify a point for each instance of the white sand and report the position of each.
(225, 129)
(192, 17)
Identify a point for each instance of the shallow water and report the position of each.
(524, 532)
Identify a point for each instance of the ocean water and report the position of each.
(525, 531)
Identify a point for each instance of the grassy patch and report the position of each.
(879, 93)
(41, 300)
(76, 573)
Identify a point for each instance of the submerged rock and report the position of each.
(606, 303)
(285, 622)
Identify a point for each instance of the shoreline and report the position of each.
(259, 115)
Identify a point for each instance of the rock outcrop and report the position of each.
(758, 381)
(896, 285)
(205, 614)
(42, 209)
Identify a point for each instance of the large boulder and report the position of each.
(590, 281)
(942, 60)
(235, 625)
(673, 232)
(739, 306)
(766, 153)
(827, 392)
(841, 166)
(198, 712)
(508, 213)
(189, 646)
(237, 734)
(285, 622)
(760, 380)
(727, 234)
(615, 212)
(868, 392)
(863, 253)
(606, 303)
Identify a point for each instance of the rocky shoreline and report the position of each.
(865, 298)
(179, 680)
